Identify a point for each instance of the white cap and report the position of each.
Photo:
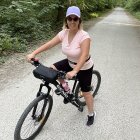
(73, 10)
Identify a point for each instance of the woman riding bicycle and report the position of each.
(76, 46)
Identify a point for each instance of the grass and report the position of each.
(99, 13)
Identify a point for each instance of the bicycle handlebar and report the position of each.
(61, 74)
(35, 62)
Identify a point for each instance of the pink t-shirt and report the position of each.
(72, 50)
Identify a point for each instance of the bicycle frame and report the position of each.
(63, 93)
(57, 85)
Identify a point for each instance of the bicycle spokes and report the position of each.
(34, 119)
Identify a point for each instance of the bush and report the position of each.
(10, 44)
(94, 15)
(23, 21)
(137, 15)
(133, 5)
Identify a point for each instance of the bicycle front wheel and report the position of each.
(95, 84)
(33, 118)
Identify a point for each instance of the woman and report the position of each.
(76, 46)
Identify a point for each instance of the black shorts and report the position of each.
(84, 76)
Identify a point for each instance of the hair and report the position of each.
(65, 25)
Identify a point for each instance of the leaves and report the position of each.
(133, 5)
(23, 21)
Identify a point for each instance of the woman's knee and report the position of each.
(87, 94)
(53, 67)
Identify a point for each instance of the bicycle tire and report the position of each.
(94, 88)
(47, 102)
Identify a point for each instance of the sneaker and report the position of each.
(91, 119)
(70, 96)
(65, 101)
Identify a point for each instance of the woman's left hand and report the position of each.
(71, 74)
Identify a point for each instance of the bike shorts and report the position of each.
(84, 76)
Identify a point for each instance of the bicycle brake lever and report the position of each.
(35, 61)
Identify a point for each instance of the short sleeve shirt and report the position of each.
(72, 50)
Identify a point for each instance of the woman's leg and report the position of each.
(60, 80)
(62, 65)
(89, 101)
(85, 77)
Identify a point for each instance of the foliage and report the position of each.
(20, 20)
(94, 15)
(133, 5)
(10, 44)
(26, 21)
(137, 14)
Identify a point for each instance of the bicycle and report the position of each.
(38, 111)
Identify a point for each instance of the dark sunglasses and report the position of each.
(74, 19)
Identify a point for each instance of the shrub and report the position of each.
(133, 5)
(11, 44)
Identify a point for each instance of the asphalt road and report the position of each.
(116, 53)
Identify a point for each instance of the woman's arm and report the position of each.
(44, 47)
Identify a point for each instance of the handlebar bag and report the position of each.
(45, 73)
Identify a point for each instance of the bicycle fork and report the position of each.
(41, 115)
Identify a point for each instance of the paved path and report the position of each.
(116, 54)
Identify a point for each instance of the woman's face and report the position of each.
(73, 22)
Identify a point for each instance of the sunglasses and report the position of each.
(74, 19)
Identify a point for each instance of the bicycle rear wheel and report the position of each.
(95, 84)
(33, 118)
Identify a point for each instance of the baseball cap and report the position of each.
(73, 10)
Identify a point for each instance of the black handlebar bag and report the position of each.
(47, 74)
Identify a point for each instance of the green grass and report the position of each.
(94, 15)
(99, 13)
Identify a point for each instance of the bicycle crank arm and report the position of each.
(80, 108)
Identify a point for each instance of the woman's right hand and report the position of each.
(30, 56)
